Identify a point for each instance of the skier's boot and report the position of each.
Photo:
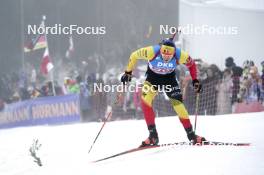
(153, 138)
(193, 138)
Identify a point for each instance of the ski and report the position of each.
(215, 143)
(205, 143)
(126, 152)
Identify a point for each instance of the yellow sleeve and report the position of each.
(146, 53)
(183, 57)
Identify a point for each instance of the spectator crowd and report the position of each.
(222, 89)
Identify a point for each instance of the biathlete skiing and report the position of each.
(162, 62)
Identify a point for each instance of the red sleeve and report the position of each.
(192, 68)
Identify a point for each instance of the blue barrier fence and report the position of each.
(46, 110)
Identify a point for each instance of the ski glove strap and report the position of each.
(197, 86)
(126, 77)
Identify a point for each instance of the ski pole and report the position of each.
(196, 109)
(106, 119)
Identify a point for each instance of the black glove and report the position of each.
(126, 77)
(197, 86)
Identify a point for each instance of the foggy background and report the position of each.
(127, 23)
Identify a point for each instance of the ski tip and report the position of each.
(214, 143)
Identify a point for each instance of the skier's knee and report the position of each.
(176, 97)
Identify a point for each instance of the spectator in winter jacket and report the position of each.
(71, 86)
(244, 82)
(255, 82)
(250, 83)
(236, 74)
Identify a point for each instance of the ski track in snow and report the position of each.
(65, 148)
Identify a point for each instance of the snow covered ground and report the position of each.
(65, 148)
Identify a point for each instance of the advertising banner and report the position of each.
(45, 110)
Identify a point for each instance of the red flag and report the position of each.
(46, 64)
